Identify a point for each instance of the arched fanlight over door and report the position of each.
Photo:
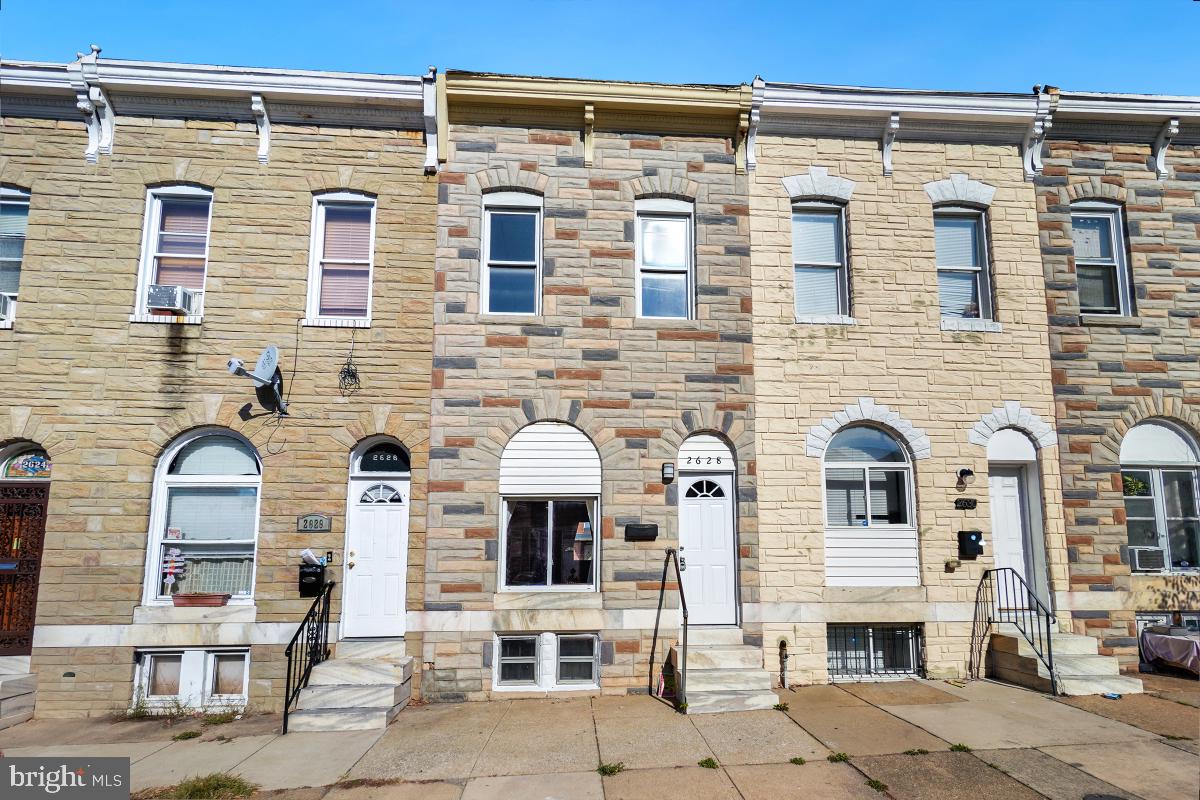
(383, 457)
(30, 463)
(381, 493)
(705, 488)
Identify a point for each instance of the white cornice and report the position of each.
(1128, 107)
(34, 77)
(782, 98)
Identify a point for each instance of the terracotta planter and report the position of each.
(199, 599)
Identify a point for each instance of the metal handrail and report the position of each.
(313, 634)
(681, 692)
(1004, 596)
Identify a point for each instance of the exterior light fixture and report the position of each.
(668, 471)
(965, 478)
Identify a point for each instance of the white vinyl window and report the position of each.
(665, 274)
(821, 280)
(1160, 478)
(960, 243)
(205, 680)
(204, 518)
(546, 661)
(1101, 272)
(341, 260)
(511, 277)
(175, 243)
(14, 222)
(548, 543)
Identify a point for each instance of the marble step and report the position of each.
(339, 672)
(14, 665)
(1120, 684)
(370, 650)
(13, 685)
(725, 635)
(343, 719)
(724, 657)
(1013, 641)
(1064, 665)
(706, 680)
(383, 696)
(715, 702)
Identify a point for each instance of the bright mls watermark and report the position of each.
(66, 778)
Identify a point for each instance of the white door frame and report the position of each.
(684, 479)
(1033, 531)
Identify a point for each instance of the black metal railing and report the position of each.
(1003, 596)
(308, 647)
(681, 671)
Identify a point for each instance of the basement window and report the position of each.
(206, 680)
(546, 661)
(866, 652)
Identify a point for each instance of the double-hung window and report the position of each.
(174, 252)
(511, 279)
(205, 519)
(1097, 237)
(341, 260)
(960, 244)
(665, 274)
(822, 286)
(14, 221)
(1160, 478)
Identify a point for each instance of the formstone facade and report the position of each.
(636, 387)
(891, 364)
(105, 396)
(1112, 372)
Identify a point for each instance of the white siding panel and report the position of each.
(871, 557)
(549, 459)
(707, 453)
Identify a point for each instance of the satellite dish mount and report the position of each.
(268, 380)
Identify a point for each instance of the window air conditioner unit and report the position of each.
(1147, 559)
(7, 306)
(176, 299)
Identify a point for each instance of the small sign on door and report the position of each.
(314, 523)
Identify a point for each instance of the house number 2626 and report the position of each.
(703, 460)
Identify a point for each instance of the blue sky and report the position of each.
(1004, 45)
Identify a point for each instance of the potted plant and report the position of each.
(199, 599)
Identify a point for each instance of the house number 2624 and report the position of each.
(703, 460)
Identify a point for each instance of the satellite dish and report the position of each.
(268, 380)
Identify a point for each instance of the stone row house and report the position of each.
(843, 350)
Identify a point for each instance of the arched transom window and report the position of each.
(705, 488)
(381, 493)
(867, 480)
(204, 522)
(1160, 478)
(25, 463)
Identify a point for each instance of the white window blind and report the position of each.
(215, 455)
(816, 238)
(955, 241)
(212, 513)
(818, 254)
(963, 288)
(345, 260)
(14, 221)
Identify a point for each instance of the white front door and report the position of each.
(1010, 520)
(373, 598)
(706, 548)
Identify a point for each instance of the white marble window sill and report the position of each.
(162, 319)
(6, 324)
(157, 614)
(336, 322)
(826, 319)
(974, 325)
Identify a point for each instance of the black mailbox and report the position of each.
(312, 580)
(970, 545)
(641, 532)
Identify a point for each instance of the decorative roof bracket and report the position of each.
(93, 103)
(589, 133)
(258, 107)
(1039, 129)
(1170, 130)
(889, 138)
(429, 112)
(758, 90)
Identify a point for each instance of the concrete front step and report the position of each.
(714, 702)
(370, 650)
(728, 635)
(384, 696)
(343, 719)
(719, 657)
(1013, 641)
(341, 672)
(728, 680)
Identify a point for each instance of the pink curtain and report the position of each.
(345, 286)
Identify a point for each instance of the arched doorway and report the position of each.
(1015, 495)
(24, 495)
(707, 537)
(374, 590)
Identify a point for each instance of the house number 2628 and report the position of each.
(703, 460)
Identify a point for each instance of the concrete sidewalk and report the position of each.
(1007, 743)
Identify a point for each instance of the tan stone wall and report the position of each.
(940, 381)
(105, 396)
